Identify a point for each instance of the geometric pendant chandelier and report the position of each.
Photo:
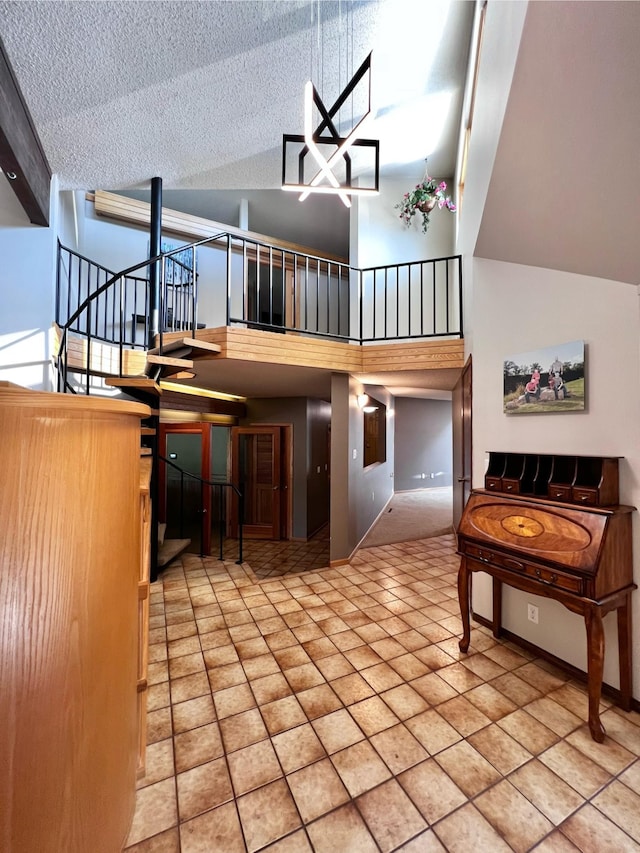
(324, 158)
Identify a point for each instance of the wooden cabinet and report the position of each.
(587, 480)
(580, 556)
(69, 580)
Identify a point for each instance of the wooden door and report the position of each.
(257, 473)
(195, 440)
(462, 443)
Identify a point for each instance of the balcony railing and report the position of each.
(259, 285)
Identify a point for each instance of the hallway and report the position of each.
(331, 711)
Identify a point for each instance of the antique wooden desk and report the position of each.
(576, 554)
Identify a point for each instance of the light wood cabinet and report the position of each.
(70, 546)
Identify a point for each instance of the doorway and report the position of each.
(202, 451)
(261, 471)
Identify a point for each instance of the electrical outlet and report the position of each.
(532, 613)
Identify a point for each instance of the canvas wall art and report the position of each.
(550, 379)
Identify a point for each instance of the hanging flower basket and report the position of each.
(423, 200)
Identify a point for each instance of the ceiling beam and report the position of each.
(22, 158)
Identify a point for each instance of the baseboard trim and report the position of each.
(334, 564)
(570, 669)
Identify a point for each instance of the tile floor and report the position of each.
(331, 711)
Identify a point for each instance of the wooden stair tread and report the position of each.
(186, 343)
(140, 383)
(167, 361)
(170, 549)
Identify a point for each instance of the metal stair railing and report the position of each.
(211, 484)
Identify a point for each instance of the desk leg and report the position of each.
(464, 598)
(595, 655)
(497, 608)
(624, 652)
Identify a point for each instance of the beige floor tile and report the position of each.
(186, 665)
(298, 747)
(253, 766)
(372, 715)
(433, 731)
(303, 677)
(631, 777)
(463, 716)
(183, 646)
(609, 754)
(193, 714)
(317, 789)
(505, 657)
(556, 842)
(490, 701)
(516, 689)
(270, 687)
(334, 666)
(620, 729)
(467, 829)
(390, 815)
(528, 731)
(621, 805)
(291, 656)
(352, 688)
(229, 675)
(297, 842)
(425, 842)
(267, 814)
(360, 768)
(190, 687)
(432, 790)
(550, 794)
(283, 714)
(319, 701)
(197, 746)
(155, 811)
(539, 678)
(553, 716)
(158, 696)
(233, 700)
(165, 842)
(381, 677)
(590, 830)
(409, 666)
(158, 763)
(500, 749)
(433, 689)
(404, 701)
(159, 726)
(575, 768)
(202, 788)
(343, 830)
(467, 768)
(242, 730)
(216, 831)
(398, 748)
(337, 730)
(513, 816)
(460, 677)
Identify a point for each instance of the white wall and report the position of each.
(518, 309)
(26, 291)
(379, 237)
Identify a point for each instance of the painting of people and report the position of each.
(550, 379)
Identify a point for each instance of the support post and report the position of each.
(155, 243)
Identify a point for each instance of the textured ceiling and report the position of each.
(200, 93)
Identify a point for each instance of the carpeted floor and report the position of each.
(420, 514)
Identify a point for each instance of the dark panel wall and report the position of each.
(423, 443)
(318, 421)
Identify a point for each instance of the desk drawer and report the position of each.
(545, 576)
(557, 492)
(584, 495)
